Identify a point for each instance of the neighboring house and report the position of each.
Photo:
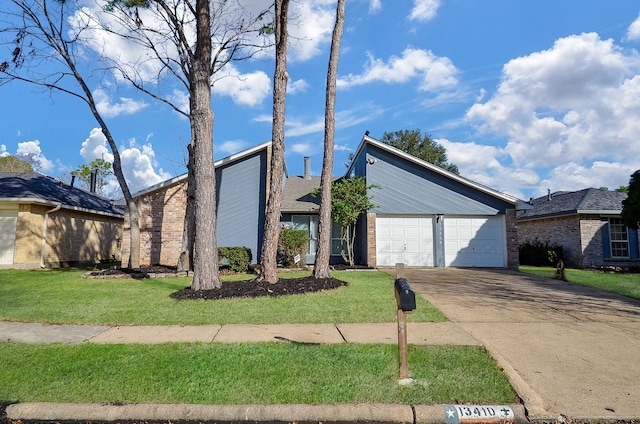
(427, 216)
(586, 223)
(48, 223)
(241, 181)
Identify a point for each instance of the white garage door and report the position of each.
(407, 240)
(474, 242)
(8, 220)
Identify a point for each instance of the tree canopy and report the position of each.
(422, 147)
(631, 205)
(15, 164)
(102, 169)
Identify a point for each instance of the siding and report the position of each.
(241, 203)
(407, 188)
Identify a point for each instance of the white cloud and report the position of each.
(232, 146)
(433, 72)
(138, 167)
(298, 86)
(633, 32)
(95, 147)
(599, 174)
(375, 6)
(245, 89)
(310, 27)
(302, 148)
(127, 106)
(3, 151)
(342, 148)
(574, 102)
(33, 148)
(138, 163)
(424, 10)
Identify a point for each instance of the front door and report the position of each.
(309, 223)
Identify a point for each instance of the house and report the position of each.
(586, 223)
(427, 216)
(48, 223)
(241, 181)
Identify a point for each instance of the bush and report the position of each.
(537, 253)
(237, 259)
(291, 243)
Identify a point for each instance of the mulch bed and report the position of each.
(229, 289)
(285, 286)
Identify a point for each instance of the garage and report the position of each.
(404, 239)
(8, 220)
(474, 241)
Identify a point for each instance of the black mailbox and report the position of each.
(404, 295)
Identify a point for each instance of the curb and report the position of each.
(36, 412)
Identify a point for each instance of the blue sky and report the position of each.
(525, 96)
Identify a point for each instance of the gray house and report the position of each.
(427, 216)
(241, 181)
(586, 223)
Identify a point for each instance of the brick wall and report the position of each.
(72, 238)
(563, 231)
(371, 240)
(591, 236)
(161, 217)
(511, 224)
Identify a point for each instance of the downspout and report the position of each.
(44, 232)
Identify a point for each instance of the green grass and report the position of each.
(624, 284)
(262, 373)
(65, 297)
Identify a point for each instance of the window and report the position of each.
(619, 238)
(337, 244)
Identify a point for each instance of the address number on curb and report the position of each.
(467, 414)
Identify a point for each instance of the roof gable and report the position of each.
(366, 140)
(37, 188)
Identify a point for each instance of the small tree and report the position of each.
(101, 167)
(349, 199)
(631, 205)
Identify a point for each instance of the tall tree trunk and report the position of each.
(269, 251)
(205, 251)
(185, 260)
(323, 255)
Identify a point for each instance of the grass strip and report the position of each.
(619, 283)
(64, 297)
(259, 373)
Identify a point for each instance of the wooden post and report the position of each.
(402, 334)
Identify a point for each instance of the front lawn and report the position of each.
(257, 373)
(63, 296)
(624, 284)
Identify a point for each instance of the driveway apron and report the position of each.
(568, 350)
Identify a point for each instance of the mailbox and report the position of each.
(405, 296)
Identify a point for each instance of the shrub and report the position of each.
(537, 253)
(292, 242)
(236, 258)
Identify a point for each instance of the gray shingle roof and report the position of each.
(34, 187)
(296, 196)
(589, 200)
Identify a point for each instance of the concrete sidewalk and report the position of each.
(424, 333)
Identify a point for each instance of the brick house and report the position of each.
(586, 223)
(48, 223)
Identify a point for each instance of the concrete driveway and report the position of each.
(567, 349)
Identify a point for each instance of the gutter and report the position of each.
(44, 232)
